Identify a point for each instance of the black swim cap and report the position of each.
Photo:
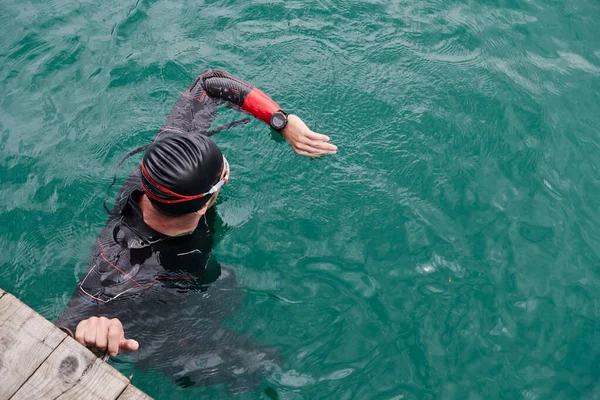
(176, 171)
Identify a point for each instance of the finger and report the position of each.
(128, 345)
(316, 140)
(301, 146)
(317, 151)
(80, 331)
(305, 150)
(316, 154)
(89, 336)
(102, 333)
(317, 136)
(310, 151)
(305, 153)
(115, 334)
(317, 144)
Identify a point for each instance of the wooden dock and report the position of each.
(39, 361)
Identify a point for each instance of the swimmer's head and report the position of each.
(181, 174)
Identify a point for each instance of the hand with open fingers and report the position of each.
(304, 141)
(101, 333)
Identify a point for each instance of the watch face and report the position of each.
(278, 120)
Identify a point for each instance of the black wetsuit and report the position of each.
(169, 292)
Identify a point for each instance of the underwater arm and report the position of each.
(95, 327)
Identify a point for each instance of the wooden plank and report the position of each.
(10, 305)
(73, 372)
(38, 360)
(133, 393)
(26, 340)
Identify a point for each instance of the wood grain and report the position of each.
(73, 372)
(133, 393)
(39, 361)
(26, 340)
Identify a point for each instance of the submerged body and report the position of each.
(169, 292)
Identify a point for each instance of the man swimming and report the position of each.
(155, 249)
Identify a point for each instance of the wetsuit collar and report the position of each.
(133, 216)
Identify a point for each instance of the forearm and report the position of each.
(241, 95)
(75, 311)
(79, 309)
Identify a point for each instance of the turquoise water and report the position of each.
(448, 251)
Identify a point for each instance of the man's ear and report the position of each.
(202, 211)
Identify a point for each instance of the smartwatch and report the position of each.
(279, 120)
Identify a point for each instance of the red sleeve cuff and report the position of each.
(260, 106)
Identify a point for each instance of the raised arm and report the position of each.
(197, 106)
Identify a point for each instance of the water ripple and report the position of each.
(448, 250)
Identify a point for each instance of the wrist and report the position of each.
(279, 120)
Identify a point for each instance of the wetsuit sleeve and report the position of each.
(76, 311)
(79, 309)
(196, 108)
